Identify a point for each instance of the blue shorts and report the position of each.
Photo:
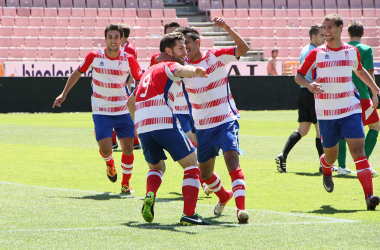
(172, 140)
(347, 127)
(187, 122)
(210, 141)
(105, 124)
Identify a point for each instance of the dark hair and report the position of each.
(314, 29)
(169, 40)
(170, 25)
(338, 20)
(274, 50)
(190, 32)
(355, 29)
(113, 26)
(126, 30)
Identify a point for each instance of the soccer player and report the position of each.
(215, 115)
(337, 102)
(271, 68)
(306, 107)
(158, 130)
(370, 116)
(110, 70)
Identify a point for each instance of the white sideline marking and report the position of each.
(324, 220)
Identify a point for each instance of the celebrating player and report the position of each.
(110, 70)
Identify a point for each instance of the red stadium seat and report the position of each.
(144, 4)
(267, 13)
(268, 32)
(76, 22)
(356, 4)
(294, 32)
(305, 13)
(4, 52)
(62, 22)
(330, 4)
(294, 22)
(282, 32)
(155, 32)
(118, 4)
(16, 52)
(30, 53)
(216, 12)
(280, 4)
(130, 13)
(67, 4)
(216, 4)
(282, 42)
(294, 4)
(244, 32)
(31, 42)
(58, 53)
(59, 42)
(51, 12)
(204, 5)
(64, 12)
(307, 22)
(61, 31)
(72, 53)
(369, 13)
(370, 32)
(157, 4)
(44, 52)
(132, 4)
(72, 42)
(182, 21)
(242, 4)
(254, 13)
(229, 4)
(40, 12)
(267, 22)
(20, 31)
(368, 4)
(369, 22)
(229, 13)
(89, 22)
(154, 42)
(45, 42)
(92, 4)
(305, 4)
(142, 22)
(23, 12)
(280, 22)
(140, 31)
(159, 13)
(22, 21)
(267, 4)
(256, 43)
(294, 52)
(39, 3)
(9, 11)
(99, 42)
(25, 3)
(141, 42)
(131, 22)
(242, 22)
(294, 42)
(86, 41)
(17, 41)
(154, 22)
(143, 13)
(105, 4)
(256, 31)
(79, 3)
(74, 31)
(141, 53)
(318, 13)
(241, 13)
(318, 4)
(342, 4)
(269, 42)
(117, 12)
(47, 31)
(344, 13)
(102, 22)
(280, 13)
(52, 3)
(49, 21)
(373, 41)
(91, 12)
(105, 12)
(78, 12)
(88, 32)
(7, 21)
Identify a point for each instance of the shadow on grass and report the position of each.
(330, 210)
(104, 197)
(308, 174)
(179, 197)
(334, 175)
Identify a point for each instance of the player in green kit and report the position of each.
(370, 116)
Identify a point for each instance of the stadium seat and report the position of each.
(131, 22)
(79, 12)
(155, 32)
(356, 4)
(154, 22)
(5, 41)
(105, 12)
(141, 42)
(318, 14)
(105, 4)
(66, 4)
(242, 22)
(369, 13)
(229, 4)
(142, 22)
(7, 21)
(140, 31)
(74, 31)
(283, 52)
(89, 22)
(79, 4)
(183, 21)
(22, 12)
(52, 3)
(307, 22)
(280, 4)
(305, 13)
(16, 52)
(4, 52)
(39, 3)
(377, 4)
(30, 53)
(254, 13)
(58, 53)
(59, 42)
(216, 4)
(154, 42)
(130, 13)
(376, 51)
(99, 32)
(118, 4)
(117, 12)
(50, 12)
(256, 43)
(45, 42)
(267, 13)
(6, 31)
(295, 42)
(344, 13)
(159, 13)
(157, 4)
(88, 32)
(293, 4)
(267, 22)
(242, 4)
(152, 51)
(342, 4)
(280, 22)
(25, 3)
(115, 20)
(62, 22)
(92, 12)
(20, 31)
(282, 31)
(92, 4)
(102, 22)
(61, 31)
(22, 21)
(216, 12)
(141, 53)
(294, 32)
(329, 4)
(132, 4)
(305, 4)
(49, 21)
(13, 3)
(47, 32)
(31, 42)
(144, 4)
(256, 31)
(31, 31)
(207, 42)
(370, 32)
(294, 22)
(204, 5)
(72, 42)
(369, 22)
(86, 42)
(99, 42)
(280, 13)
(372, 41)
(268, 32)
(269, 42)
(241, 13)
(9, 11)
(143, 13)
(229, 13)
(282, 42)
(294, 52)
(244, 32)
(71, 53)
(64, 12)
(44, 52)
(267, 4)
(76, 22)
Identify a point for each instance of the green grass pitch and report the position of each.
(54, 193)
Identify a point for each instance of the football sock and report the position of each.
(127, 166)
(364, 173)
(238, 187)
(190, 189)
(318, 145)
(342, 153)
(108, 159)
(292, 140)
(153, 180)
(114, 140)
(326, 168)
(215, 185)
(370, 142)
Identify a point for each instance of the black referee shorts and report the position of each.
(306, 106)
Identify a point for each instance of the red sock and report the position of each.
(127, 166)
(363, 169)
(190, 189)
(153, 181)
(108, 159)
(114, 140)
(326, 168)
(215, 185)
(238, 187)
(136, 140)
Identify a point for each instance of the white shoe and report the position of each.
(373, 171)
(206, 189)
(219, 207)
(344, 171)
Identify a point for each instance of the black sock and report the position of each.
(292, 140)
(318, 145)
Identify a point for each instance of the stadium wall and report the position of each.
(37, 94)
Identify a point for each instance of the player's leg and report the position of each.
(103, 133)
(115, 145)
(342, 167)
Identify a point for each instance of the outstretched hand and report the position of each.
(315, 87)
(219, 21)
(201, 72)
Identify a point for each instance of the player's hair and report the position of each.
(113, 26)
(356, 29)
(190, 32)
(274, 50)
(338, 20)
(169, 40)
(314, 29)
(170, 25)
(126, 29)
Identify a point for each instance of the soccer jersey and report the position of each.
(211, 99)
(109, 77)
(305, 51)
(152, 60)
(130, 49)
(366, 55)
(154, 95)
(335, 66)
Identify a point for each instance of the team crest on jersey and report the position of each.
(327, 56)
(346, 54)
(120, 65)
(101, 64)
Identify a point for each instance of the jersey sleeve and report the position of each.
(357, 65)
(152, 60)
(309, 63)
(86, 63)
(135, 68)
(367, 60)
(225, 55)
(169, 70)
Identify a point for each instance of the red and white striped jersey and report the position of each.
(154, 98)
(211, 99)
(109, 76)
(130, 49)
(335, 66)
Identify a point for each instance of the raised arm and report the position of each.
(189, 71)
(73, 79)
(241, 46)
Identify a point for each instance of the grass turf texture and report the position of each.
(55, 193)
